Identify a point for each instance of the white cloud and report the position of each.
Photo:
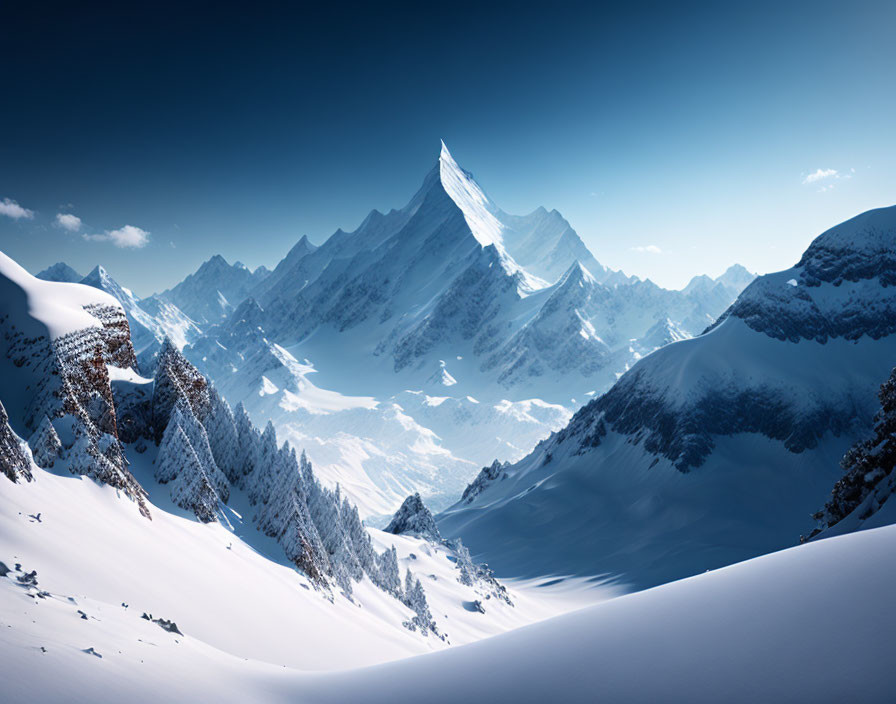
(69, 222)
(13, 210)
(127, 236)
(820, 175)
(648, 249)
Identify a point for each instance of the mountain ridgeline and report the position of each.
(516, 304)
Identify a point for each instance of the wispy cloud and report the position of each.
(13, 210)
(820, 175)
(825, 179)
(647, 249)
(69, 222)
(128, 236)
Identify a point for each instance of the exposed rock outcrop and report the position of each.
(413, 518)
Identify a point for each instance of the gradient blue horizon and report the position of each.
(676, 140)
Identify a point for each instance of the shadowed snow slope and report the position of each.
(784, 627)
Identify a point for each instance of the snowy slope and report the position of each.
(712, 449)
(48, 308)
(378, 451)
(784, 627)
(225, 588)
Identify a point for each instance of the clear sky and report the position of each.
(676, 140)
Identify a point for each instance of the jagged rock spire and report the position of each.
(413, 518)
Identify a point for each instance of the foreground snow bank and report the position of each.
(810, 623)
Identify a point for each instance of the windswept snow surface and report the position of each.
(806, 624)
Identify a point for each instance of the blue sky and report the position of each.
(676, 140)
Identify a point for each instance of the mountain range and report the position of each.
(449, 296)
(191, 481)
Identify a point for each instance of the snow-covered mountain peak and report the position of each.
(701, 282)
(304, 245)
(863, 247)
(97, 275)
(577, 275)
(215, 289)
(478, 210)
(732, 433)
(216, 263)
(101, 279)
(60, 271)
(664, 332)
(841, 287)
(737, 277)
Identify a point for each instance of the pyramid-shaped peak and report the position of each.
(577, 273)
(736, 269)
(60, 271)
(737, 276)
(97, 275)
(414, 518)
(305, 244)
(217, 260)
(478, 210)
